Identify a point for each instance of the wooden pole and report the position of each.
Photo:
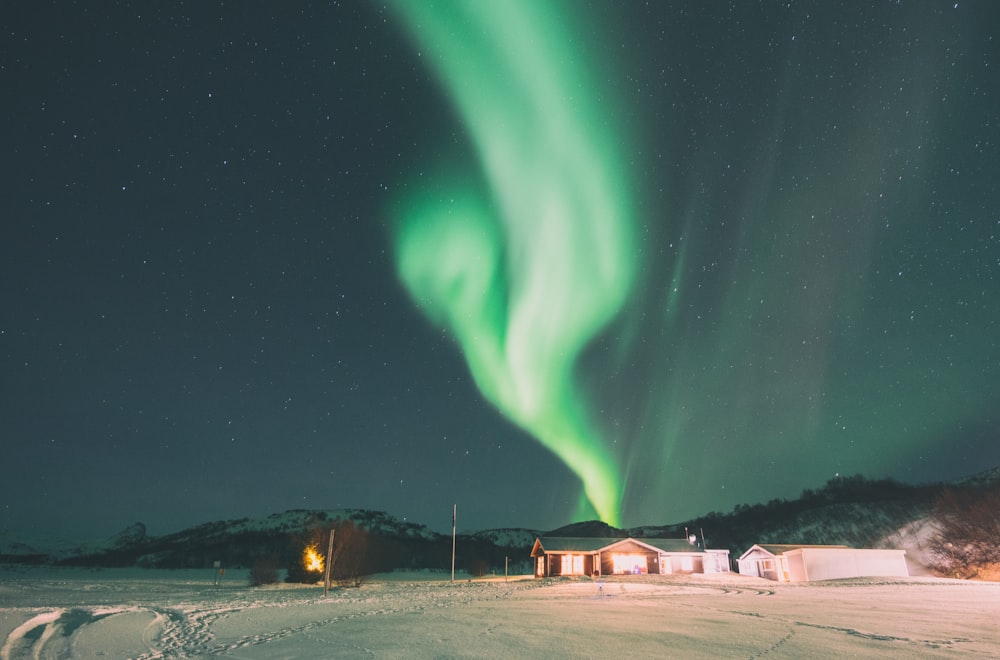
(329, 560)
(454, 519)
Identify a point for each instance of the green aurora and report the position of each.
(526, 273)
(539, 258)
(793, 277)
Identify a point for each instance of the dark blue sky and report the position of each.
(202, 318)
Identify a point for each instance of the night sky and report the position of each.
(548, 261)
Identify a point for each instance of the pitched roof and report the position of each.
(590, 544)
(781, 548)
(778, 548)
(671, 545)
(574, 543)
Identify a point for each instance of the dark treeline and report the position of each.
(851, 510)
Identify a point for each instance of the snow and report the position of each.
(915, 538)
(119, 613)
(52, 547)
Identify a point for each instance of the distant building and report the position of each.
(804, 563)
(554, 556)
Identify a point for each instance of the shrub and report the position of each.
(264, 571)
(351, 564)
(478, 567)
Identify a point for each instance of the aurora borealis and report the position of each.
(547, 260)
(756, 332)
(528, 277)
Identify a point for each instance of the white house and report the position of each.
(804, 563)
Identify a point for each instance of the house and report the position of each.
(803, 563)
(554, 556)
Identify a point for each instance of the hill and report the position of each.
(853, 511)
(393, 543)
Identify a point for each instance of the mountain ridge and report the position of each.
(852, 511)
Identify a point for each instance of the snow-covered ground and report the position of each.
(134, 613)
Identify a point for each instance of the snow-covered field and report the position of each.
(78, 613)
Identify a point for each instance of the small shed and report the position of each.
(554, 556)
(804, 563)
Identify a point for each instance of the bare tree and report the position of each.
(968, 537)
(352, 563)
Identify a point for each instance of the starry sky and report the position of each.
(545, 260)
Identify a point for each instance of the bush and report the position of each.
(264, 571)
(351, 564)
(478, 567)
(298, 570)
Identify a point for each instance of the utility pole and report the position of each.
(329, 560)
(454, 520)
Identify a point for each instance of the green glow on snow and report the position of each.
(526, 274)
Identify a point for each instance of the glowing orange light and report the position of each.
(312, 560)
(629, 563)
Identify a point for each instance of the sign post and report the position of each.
(454, 516)
(329, 560)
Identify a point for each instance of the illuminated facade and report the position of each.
(561, 556)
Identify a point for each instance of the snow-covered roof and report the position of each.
(590, 544)
(573, 543)
(781, 548)
(778, 548)
(671, 545)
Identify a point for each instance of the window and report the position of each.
(572, 565)
(629, 563)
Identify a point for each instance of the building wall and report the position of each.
(830, 564)
(810, 564)
(760, 564)
(796, 566)
(628, 556)
(646, 560)
(553, 564)
(671, 564)
(716, 561)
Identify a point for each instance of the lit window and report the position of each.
(629, 563)
(572, 565)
